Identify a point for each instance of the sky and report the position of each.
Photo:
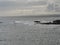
(29, 7)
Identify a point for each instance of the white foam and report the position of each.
(25, 22)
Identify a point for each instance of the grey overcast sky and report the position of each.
(29, 7)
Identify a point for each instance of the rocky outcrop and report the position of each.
(56, 21)
(53, 22)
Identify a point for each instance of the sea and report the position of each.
(21, 30)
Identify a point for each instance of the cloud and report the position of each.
(7, 0)
(25, 7)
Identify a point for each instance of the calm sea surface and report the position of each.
(23, 31)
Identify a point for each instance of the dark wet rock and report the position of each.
(37, 22)
(53, 22)
(56, 21)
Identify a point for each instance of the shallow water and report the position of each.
(25, 32)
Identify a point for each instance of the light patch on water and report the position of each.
(24, 22)
(45, 21)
